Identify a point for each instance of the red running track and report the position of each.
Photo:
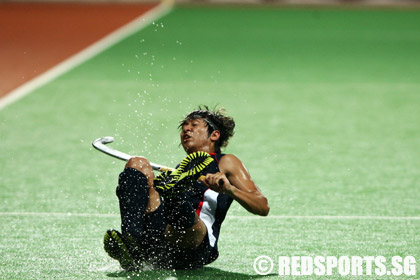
(36, 36)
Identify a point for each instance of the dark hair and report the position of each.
(216, 119)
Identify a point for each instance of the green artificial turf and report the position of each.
(326, 104)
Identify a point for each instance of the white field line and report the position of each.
(270, 217)
(137, 24)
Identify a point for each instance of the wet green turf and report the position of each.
(326, 103)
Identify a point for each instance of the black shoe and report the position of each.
(171, 183)
(117, 249)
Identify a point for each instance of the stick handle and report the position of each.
(100, 145)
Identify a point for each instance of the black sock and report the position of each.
(179, 213)
(133, 195)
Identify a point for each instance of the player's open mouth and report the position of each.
(186, 138)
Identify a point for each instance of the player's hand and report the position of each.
(218, 183)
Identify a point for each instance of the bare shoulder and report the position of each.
(229, 158)
(230, 163)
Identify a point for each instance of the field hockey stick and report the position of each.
(100, 145)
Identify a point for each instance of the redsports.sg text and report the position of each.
(329, 265)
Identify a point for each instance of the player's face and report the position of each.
(195, 136)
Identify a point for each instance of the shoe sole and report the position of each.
(193, 165)
(188, 171)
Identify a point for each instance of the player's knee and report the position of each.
(141, 164)
(131, 183)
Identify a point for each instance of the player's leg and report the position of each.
(187, 238)
(137, 198)
(185, 229)
(142, 164)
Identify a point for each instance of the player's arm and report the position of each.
(237, 183)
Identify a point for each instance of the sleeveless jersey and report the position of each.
(210, 206)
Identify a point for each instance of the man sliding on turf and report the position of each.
(173, 221)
